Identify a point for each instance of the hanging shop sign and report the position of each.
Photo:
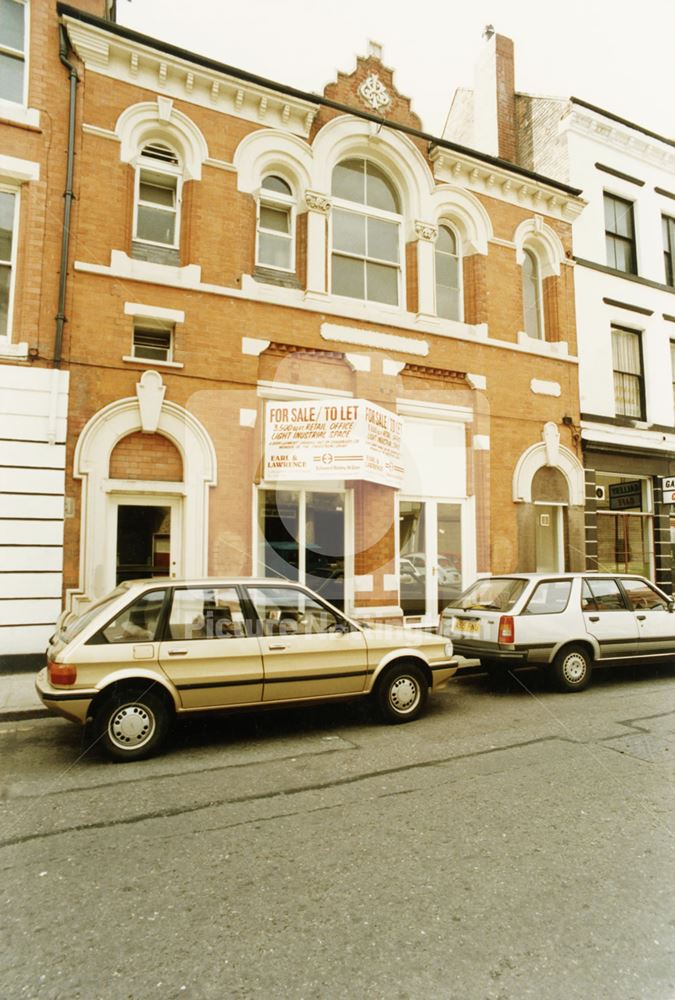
(321, 439)
(626, 496)
(668, 487)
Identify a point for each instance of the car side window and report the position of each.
(550, 597)
(605, 595)
(643, 597)
(137, 623)
(286, 611)
(206, 613)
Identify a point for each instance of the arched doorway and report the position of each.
(125, 457)
(549, 486)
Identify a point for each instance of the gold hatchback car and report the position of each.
(155, 649)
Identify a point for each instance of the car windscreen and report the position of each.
(493, 594)
(76, 625)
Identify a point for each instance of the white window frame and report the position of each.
(6, 338)
(23, 55)
(460, 264)
(274, 199)
(357, 208)
(531, 252)
(157, 167)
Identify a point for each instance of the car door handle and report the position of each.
(641, 618)
(178, 652)
(594, 618)
(277, 646)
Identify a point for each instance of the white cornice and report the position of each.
(613, 135)
(144, 67)
(498, 182)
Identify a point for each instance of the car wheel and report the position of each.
(401, 693)
(132, 724)
(572, 668)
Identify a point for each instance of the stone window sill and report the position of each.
(151, 362)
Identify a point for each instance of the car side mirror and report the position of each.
(671, 605)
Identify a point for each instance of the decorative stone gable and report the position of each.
(370, 87)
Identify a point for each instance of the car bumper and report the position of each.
(442, 672)
(71, 703)
(490, 651)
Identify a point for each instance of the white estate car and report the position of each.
(568, 621)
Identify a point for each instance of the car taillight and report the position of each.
(507, 630)
(62, 673)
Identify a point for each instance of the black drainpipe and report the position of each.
(68, 196)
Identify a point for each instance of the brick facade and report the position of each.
(225, 308)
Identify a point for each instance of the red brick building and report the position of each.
(307, 338)
(34, 116)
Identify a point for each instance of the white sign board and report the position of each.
(668, 487)
(319, 439)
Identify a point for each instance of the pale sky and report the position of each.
(618, 54)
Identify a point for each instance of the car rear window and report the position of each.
(76, 625)
(493, 594)
(550, 597)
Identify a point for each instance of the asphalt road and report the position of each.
(514, 843)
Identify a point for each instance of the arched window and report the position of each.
(366, 233)
(533, 312)
(448, 273)
(275, 243)
(157, 196)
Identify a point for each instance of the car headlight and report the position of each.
(448, 649)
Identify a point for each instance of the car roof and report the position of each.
(212, 581)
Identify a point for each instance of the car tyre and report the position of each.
(132, 724)
(572, 668)
(401, 693)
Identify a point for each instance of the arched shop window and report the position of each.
(448, 273)
(533, 309)
(275, 245)
(157, 196)
(366, 233)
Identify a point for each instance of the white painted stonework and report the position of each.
(33, 410)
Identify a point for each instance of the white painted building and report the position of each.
(624, 247)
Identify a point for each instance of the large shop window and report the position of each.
(13, 50)
(366, 227)
(672, 368)
(625, 525)
(629, 396)
(430, 556)
(301, 537)
(8, 241)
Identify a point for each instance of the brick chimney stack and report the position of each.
(494, 98)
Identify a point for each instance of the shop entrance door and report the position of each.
(430, 557)
(146, 537)
(302, 535)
